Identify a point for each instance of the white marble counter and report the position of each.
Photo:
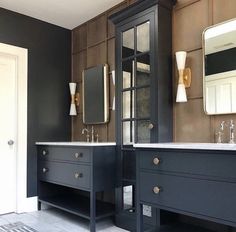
(196, 146)
(76, 144)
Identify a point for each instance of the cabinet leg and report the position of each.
(39, 205)
(92, 211)
(139, 218)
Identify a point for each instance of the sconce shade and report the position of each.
(72, 88)
(73, 110)
(72, 105)
(180, 59)
(181, 93)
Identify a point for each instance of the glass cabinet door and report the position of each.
(136, 74)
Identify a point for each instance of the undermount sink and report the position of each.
(201, 146)
(77, 143)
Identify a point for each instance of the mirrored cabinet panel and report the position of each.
(128, 43)
(143, 37)
(136, 74)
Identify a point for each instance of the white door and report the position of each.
(8, 116)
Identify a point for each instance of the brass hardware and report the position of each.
(78, 155)
(10, 142)
(150, 126)
(75, 99)
(156, 190)
(44, 152)
(156, 161)
(185, 77)
(45, 170)
(78, 175)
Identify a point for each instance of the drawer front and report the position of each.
(65, 174)
(74, 154)
(198, 163)
(204, 197)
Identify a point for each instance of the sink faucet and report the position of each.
(220, 132)
(231, 131)
(87, 135)
(92, 135)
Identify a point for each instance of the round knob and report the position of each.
(78, 155)
(156, 190)
(45, 170)
(10, 142)
(156, 161)
(78, 175)
(150, 126)
(44, 152)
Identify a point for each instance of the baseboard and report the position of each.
(27, 205)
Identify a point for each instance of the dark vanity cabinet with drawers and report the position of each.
(197, 183)
(143, 92)
(63, 171)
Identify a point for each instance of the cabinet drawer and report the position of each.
(213, 164)
(74, 154)
(204, 197)
(66, 174)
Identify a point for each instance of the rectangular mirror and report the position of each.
(219, 68)
(95, 95)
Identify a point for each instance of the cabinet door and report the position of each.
(135, 80)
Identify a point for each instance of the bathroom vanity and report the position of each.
(65, 168)
(197, 180)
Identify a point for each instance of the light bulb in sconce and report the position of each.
(184, 76)
(74, 99)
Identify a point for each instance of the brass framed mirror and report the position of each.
(219, 68)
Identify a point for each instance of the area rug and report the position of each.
(16, 227)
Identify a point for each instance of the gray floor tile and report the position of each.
(53, 220)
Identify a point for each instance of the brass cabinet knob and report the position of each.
(156, 190)
(45, 152)
(156, 161)
(78, 175)
(150, 126)
(45, 170)
(78, 155)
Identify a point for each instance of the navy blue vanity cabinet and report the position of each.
(63, 171)
(143, 93)
(198, 183)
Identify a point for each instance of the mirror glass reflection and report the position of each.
(128, 43)
(143, 37)
(219, 68)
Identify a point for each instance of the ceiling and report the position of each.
(65, 13)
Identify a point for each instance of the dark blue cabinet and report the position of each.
(63, 171)
(143, 92)
(197, 183)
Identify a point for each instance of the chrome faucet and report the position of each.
(92, 135)
(231, 131)
(87, 135)
(220, 133)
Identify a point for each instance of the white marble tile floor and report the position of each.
(53, 220)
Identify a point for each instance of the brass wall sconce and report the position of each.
(75, 99)
(184, 76)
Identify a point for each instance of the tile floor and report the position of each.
(53, 220)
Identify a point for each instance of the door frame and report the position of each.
(23, 204)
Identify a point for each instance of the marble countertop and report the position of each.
(77, 144)
(195, 146)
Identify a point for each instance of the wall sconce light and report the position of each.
(184, 76)
(74, 99)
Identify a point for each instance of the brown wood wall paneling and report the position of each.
(190, 18)
(93, 43)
